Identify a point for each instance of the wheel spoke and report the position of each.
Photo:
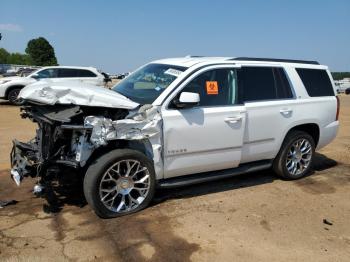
(301, 143)
(116, 171)
(133, 200)
(122, 203)
(139, 171)
(108, 178)
(110, 202)
(140, 199)
(142, 191)
(109, 192)
(306, 150)
(142, 180)
(130, 167)
(290, 168)
(302, 149)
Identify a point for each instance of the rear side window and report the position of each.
(283, 88)
(85, 73)
(316, 82)
(67, 72)
(263, 83)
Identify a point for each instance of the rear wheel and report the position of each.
(13, 95)
(296, 156)
(119, 183)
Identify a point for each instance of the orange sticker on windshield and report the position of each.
(212, 88)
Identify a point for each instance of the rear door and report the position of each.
(67, 74)
(208, 136)
(270, 104)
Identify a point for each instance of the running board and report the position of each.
(214, 175)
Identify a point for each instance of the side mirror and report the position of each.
(187, 99)
(35, 76)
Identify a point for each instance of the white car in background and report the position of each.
(11, 86)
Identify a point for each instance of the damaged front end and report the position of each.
(69, 136)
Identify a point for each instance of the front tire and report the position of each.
(120, 182)
(12, 96)
(296, 156)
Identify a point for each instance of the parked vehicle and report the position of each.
(25, 71)
(177, 122)
(347, 91)
(11, 86)
(107, 78)
(9, 74)
(120, 76)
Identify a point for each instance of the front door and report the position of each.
(209, 136)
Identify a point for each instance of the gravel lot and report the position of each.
(254, 217)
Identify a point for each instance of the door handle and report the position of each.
(286, 111)
(233, 119)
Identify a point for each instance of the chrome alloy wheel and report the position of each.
(299, 156)
(124, 186)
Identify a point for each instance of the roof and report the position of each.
(71, 67)
(190, 61)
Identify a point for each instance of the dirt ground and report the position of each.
(253, 217)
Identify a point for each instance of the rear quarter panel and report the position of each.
(318, 110)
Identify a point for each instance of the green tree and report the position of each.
(4, 55)
(19, 59)
(41, 52)
(340, 75)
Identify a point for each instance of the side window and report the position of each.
(263, 83)
(67, 72)
(283, 88)
(216, 87)
(47, 73)
(316, 82)
(85, 73)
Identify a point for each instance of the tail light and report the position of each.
(338, 109)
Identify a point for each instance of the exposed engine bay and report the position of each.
(70, 136)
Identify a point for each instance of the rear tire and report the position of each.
(120, 182)
(13, 95)
(296, 156)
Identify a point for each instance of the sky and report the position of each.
(119, 36)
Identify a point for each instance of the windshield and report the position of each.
(146, 84)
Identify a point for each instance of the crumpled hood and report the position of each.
(75, 93)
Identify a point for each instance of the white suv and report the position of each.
(11, 86)
(177, 122)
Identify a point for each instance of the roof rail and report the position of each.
(275, 60)
(194, 56)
